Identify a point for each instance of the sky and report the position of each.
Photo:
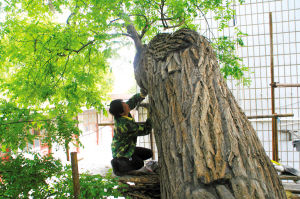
(122, 67)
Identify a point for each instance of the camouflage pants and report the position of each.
(123, 165)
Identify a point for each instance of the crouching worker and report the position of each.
(127, 158)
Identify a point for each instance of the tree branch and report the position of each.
(135, 36)
(165, 24)
(145, 29)
(35, 41)
(73, 13)
(175, 26)
(26, 121)
(205, 20)
(132, 32)
(164, 19)
(82, 47)
(69, 17)
(127, 35)
(72, 50)
(62, 74)
(112, 21)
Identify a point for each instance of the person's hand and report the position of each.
(144, 92)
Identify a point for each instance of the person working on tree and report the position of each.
(127, 158)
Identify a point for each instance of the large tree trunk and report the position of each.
(207, 147)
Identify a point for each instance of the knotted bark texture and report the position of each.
(141, 187)
(207, 147)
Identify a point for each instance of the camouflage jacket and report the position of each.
(126, 131)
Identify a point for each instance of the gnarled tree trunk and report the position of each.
(207, 147)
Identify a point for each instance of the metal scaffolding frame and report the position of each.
(272, 48)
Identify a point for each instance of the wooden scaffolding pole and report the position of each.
(274, 119)
(75, 175)
(97, 128)
(271, 116)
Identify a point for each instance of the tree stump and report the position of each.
(207, 148)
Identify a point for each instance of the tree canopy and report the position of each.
(50, 70)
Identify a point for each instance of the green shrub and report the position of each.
(91, 186)
(23, 177)
(45, 177)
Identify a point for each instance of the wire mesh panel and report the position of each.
(146, 141)
(88, 121)
(253, 18)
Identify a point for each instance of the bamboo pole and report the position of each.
(75, 175)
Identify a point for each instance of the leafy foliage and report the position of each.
(22, 177)
(16, 124)
(51, 68)
(44, 177)
(226, 54)
(49, 71)
(91, 186)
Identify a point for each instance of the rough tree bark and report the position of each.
(207, 147)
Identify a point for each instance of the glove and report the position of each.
(144, 93)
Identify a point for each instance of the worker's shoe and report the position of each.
(117, 165)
